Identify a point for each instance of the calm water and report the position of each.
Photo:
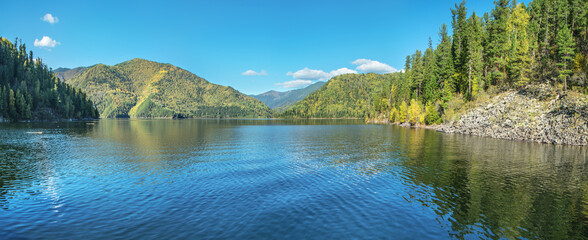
(244, 179)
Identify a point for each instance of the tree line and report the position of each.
(30, 91)
(512, 46)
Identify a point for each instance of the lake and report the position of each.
(283, 179)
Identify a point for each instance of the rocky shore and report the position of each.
(534, 114)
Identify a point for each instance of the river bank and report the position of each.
(534, 114)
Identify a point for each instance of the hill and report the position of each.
(280, 101)
(30, 91)
(142, 88)
(65, 74)
(344, 96)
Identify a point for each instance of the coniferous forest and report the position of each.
(30, 91)
(544, 42)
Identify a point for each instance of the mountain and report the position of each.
(30, 91)
(65, 74)
(283, 100)
(344, 96)
(142, 88)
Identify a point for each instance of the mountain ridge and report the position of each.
(343, 96)
(144, 88)
(280, 101)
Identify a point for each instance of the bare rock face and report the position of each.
(535, 114)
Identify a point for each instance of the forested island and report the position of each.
(30, 91)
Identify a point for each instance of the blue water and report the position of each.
(282, 179)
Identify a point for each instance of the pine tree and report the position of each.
(28, 86)
(498, 38)
(430, 87)
(459, 25)
(566, 45)
(444, 64)
(518, 60)
(12, 105)
(473, 55)
(416, 73)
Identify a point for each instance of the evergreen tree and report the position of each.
(498, 41)
(566, 46)
(458, 51)
(430, 89)
(28, 89)
(519, 60)
(473, 56)
(416, 74)
(444, 62)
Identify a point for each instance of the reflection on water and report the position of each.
(500, 188)
(187, 179)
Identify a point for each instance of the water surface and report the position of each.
(283, 179)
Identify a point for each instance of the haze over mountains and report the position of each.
(280, 101)
(65, 74)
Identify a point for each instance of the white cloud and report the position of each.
(341, 71)
(295, 83)
(50, 18)
(309, 74)
(312, 74)
(45, 42)
(367, 65)
(254, 73)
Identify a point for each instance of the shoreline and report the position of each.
(536, 114)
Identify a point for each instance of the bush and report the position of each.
(402, 112)
(414, 111)
(393, 115)
(431, 114)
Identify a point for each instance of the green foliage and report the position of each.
(512, 47)
(566, 46)
(415, 113)
(145, 89)
(402, 112)
(30, 91)
(431, 114)
(344, 96)
(519, 58)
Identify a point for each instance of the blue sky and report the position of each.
(284, 44)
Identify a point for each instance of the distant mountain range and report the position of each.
(65, 74)
(280, 101)
(142, 88)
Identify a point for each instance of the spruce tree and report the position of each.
(473, 56)
(430, 86)
(444, 64)
(518, 60)
(566, 45)
(498, 38)
(416, 73)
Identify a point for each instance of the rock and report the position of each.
(534, 114)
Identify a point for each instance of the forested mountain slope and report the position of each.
(344, 96)
(511, 47)
(282, 100)
(65, 74)
(30, 91)
(142, 88)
